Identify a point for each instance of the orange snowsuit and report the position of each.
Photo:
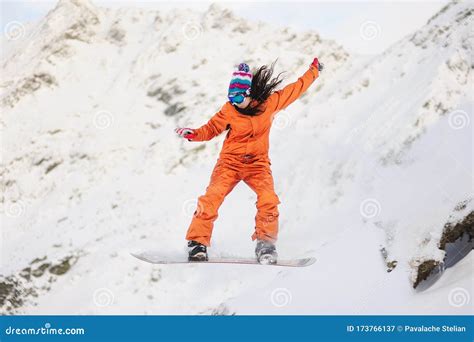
(244, 156)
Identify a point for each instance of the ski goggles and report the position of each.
(238, 98)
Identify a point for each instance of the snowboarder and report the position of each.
(247, 117)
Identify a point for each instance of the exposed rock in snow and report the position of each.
(21, 289)
(457, 241)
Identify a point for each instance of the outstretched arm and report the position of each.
(215, 126)
(283, 98)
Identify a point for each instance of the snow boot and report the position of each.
(196, 251)
(266, 252)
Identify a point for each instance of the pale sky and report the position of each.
(364, 27)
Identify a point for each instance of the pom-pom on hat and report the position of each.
(240, 84)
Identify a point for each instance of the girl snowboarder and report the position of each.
(247, 117)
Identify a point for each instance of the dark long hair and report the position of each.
(263, 85)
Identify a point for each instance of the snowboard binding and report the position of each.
(197, 251)
(266, 252)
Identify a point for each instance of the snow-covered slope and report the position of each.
(376, 155)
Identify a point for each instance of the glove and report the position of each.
(317, 65)
(186, 133)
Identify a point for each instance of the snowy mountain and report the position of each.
(373, 166)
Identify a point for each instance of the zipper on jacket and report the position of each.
(251, 136)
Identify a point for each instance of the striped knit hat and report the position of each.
(240, 84)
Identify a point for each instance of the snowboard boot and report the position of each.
(266, 252)
(196, 251)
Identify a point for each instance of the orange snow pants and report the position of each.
(256, 173)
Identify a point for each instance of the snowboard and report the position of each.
(157, 258)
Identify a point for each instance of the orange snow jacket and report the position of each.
(249, 135)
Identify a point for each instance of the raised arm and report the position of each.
(215, 126)
(283, 98)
